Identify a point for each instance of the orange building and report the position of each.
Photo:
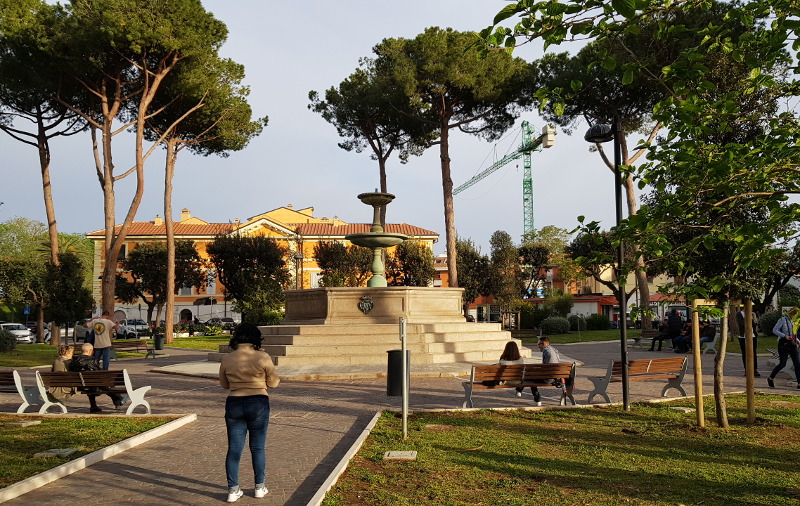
(298, 230)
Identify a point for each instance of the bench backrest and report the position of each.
(82, 379)
(497, 372)
(645, 366)
(7, 381)
(129, 342)
(548, 371)
(522, 372)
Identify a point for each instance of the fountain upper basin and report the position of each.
(376, 239)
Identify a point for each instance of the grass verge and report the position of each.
(200, 342)
(19, 444)
(652, 455)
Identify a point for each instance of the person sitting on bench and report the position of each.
(87, 362)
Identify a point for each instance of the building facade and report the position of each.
(299, 231)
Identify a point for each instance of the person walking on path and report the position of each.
(102, 328)
(787, 346)
(246, 372)
(740, 323)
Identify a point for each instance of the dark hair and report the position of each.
(544, 339)
(511, 352)
(246, 333)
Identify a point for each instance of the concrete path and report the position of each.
(312, 425)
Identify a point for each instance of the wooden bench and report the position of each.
(649, 334)
(672, 369)
(520, 375)
(131, 345)
(10, 382)
(106, 382)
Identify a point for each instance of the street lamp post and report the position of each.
(598, 134)
(298, 257)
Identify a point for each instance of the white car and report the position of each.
(20, 331)
(131, 328)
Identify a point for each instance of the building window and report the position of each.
(185, 290)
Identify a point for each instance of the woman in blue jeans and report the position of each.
(246, 372)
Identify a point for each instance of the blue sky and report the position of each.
(289, 48)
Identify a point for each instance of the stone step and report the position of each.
(355, 330)
(335, 339)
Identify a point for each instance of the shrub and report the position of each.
(532, 315)
(768, 321)
(598, 322)
(271, 318)
(554, 325)
(8, 342)
(576, 322)
(560, 303)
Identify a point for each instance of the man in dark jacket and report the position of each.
(86, 362)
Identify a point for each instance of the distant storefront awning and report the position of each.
(205, 301)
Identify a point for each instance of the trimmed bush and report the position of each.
(576, 322)
(767, 322)
(598, 322)
(554, 325)
(532, 315)
(8, 342)
(271, 318)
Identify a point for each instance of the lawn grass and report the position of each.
(652, 455)
(19, 444)
(200, 342)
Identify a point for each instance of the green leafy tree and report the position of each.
(204, 110)
(474, 272)
(22, 281)
(69, 298)
(411, 265)
(341, 265)
(365, 109)
(118, 53)
(505, 272)
(594, 251)
(450, 87)
(146, 279)
(29, 112)
(253, 270)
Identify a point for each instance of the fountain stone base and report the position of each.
(364, 306)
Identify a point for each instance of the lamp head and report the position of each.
(599, 133)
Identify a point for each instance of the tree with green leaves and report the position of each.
(717, 159)
(412, 264)
(22, 282)
(594, 251)
(145, 276)
(70, 300)
(203, 109)
(253, 270)
(474, 272)
(505, 271)
(342, 265)
(29, 112)
(449, 87)
(365, 110)
(119, 52)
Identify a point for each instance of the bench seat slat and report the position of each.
(672, 369)
(520, 375)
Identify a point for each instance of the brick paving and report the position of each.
(312, 425)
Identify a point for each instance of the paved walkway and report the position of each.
(312, 425)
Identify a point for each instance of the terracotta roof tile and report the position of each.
(139, 228)
(323, 229)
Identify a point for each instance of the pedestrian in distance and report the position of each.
(247, 372)
(102, 328)
(787, 346)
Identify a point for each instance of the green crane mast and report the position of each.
(524, 151)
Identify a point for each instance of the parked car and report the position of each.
(470, 318)
(20, 331)
(65, 331)
(81, 329)
(32, 326)
(131, 328)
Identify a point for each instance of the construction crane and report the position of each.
(524, 150)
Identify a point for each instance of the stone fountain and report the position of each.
(344, 326)
(376, 239)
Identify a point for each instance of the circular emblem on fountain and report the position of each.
(366, 304)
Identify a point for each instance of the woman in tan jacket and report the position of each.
(246, 372)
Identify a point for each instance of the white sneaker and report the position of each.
(518, 394)
(234, 496)
(261, 492)
(538, 403)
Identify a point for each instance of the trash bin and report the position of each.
(158, 341)
(394, 372)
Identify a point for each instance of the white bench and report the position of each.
(99, 382)
(11, 382)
